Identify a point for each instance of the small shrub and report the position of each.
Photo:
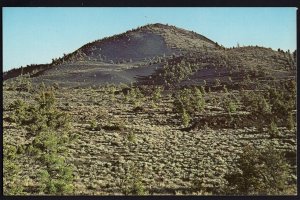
(131, 137)
(93, 125)
(202, 89)
(157, 94)
(138, 188)
(260, 172)
(190, 100)
(259, 107)
(185, 118)
(273, 129)
(12, 181)
(197, 99)
(19, 106)
(230, 106)
(225, 89)
(290, 122)
(131, 183)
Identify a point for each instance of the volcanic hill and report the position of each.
(160, 54)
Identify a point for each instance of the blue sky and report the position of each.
(36, 35)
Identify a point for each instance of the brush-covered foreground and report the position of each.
(144, 140)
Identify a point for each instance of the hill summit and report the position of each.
(144, 42)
